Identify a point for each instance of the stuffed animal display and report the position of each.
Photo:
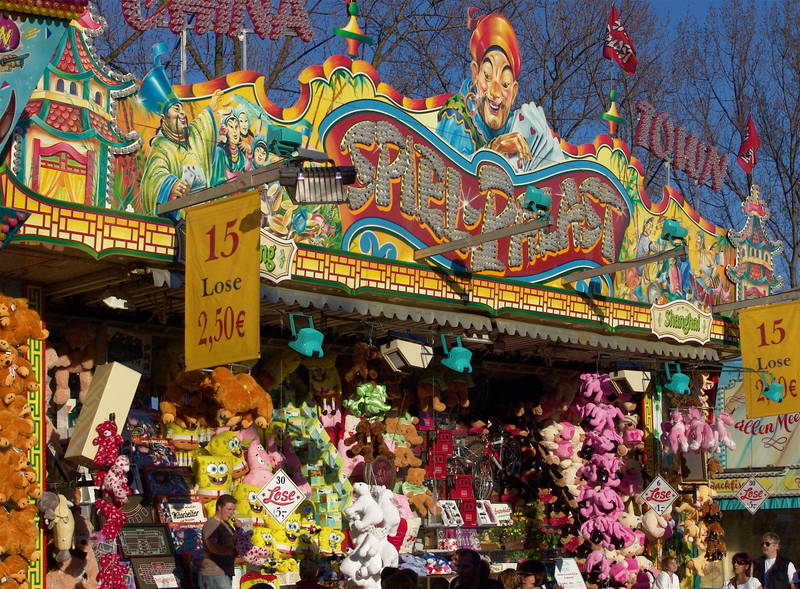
(19, 481)
(689, 431)
(371, 523)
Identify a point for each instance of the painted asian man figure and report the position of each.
(480, 116)
(182, 154)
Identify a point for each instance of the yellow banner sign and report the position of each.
(770, 338)
(222, 282)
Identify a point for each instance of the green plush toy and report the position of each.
(369, 401)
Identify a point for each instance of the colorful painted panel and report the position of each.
(26, 44)
(428, 171)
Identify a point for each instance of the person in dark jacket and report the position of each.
(773, 570)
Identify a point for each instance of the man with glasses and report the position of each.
(774, 571)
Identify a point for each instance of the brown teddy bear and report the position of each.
(18, 533)
(18, 323)
(16, 425)
(429, 391)
(188, 401)
(240, 398)
(419, 496)
(18, 486)
(367, 441)
(75, 355)
(363, 356)
(15, 570)
(404, 435)
(261, 403)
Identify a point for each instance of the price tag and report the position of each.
(769, 335)
(659, 495)
(752, 495)
(222, 282)
(280, 496)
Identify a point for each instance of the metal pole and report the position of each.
(243, 39)
(183, 57)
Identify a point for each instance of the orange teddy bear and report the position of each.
(15, 570)
(188, 401)
(241, 398)
(18, 533)
(18, 323)
(419, 496)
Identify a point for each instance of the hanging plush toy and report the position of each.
(114, 519)
(108, 442)
(115, 482)
(369, 401)
(112, 573)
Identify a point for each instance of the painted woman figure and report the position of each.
(232, 156)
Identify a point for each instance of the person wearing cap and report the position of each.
(182, 153)
(772, 570)
(480, 115)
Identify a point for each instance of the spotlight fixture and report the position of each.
(402, 354)
(307, 341)
(457, 358)
(673, 232)
(537, 201)
(317, 184)
(677, 382)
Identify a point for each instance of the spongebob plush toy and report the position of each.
(331, 542)
(184, 440)
(212, 475)
(227, 444)
(248, 507)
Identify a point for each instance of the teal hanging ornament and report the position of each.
(457, 358)
(307, 341)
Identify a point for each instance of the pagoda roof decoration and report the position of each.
(755, 251)
(73, 117)
(754, 231)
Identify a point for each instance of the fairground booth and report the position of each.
(390, 327)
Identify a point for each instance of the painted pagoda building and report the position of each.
(754, 272)
(67, 145)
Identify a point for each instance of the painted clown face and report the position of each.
(212, 473)
(496, 88)
(260, 155)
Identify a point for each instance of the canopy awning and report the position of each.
(591, 339)
(378, 309)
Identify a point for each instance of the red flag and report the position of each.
(618, 46)
(748, 152)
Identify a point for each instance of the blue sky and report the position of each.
(673, 9)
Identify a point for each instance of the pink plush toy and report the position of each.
(701, 434)
(596, 387)
(108, 442)
(602, 470)
(598, 564)
(115, 481)
(569, 441)
(677, 438)
(599, 503)
(603, 441)
(599, 416)
(114, 517)
(260, 470)
(724, 420)
(112, 573)
(274, 455)
(252, 555)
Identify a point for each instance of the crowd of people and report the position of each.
(770, 571)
